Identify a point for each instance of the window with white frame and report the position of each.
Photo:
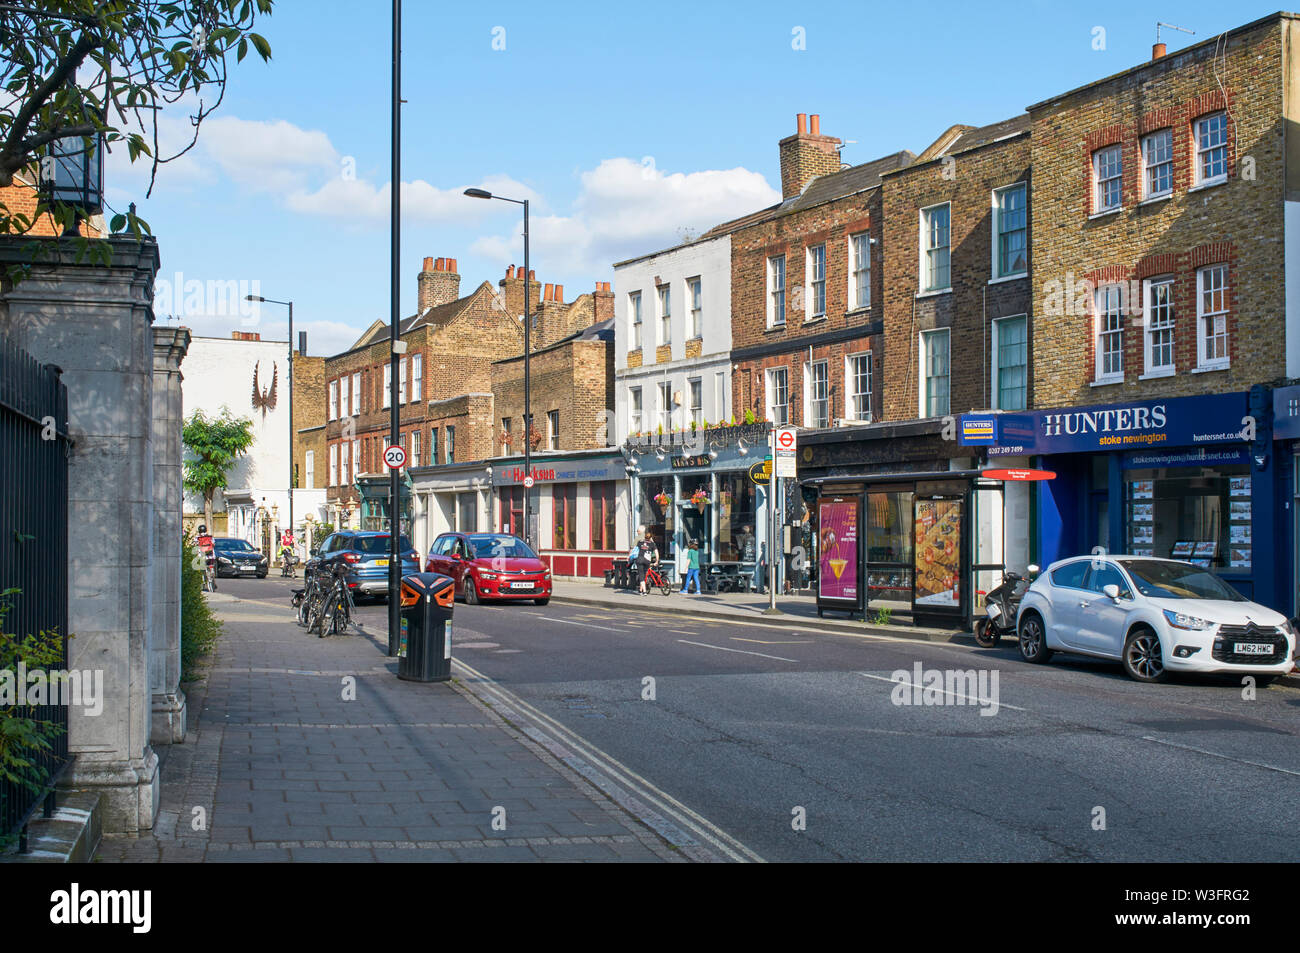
(935, 237)
(388, 384)
(635, 421)
(334, 464)
(1108, 178)
(309, 465)
(354, 406)
(334, 400)
(696, 387)
(778, 395)
(776, 291)
(935, 373)
(634, 319)
(553, 429)
(816, 265)
(859, 271)
(1010, 231)
(666, 405)
(817, 396)
(1211, 149)
(344, 453)
(401, 380)
(1158, 164)
(1212, 316)
(695, 292)
(417, 377)
(665, 314)
(1109, 317)
(1010, 363)
(415, 448)
(1158, 321)
(857, 386)
(505, 435)
(451, 444)
(356, 455)
(720, 395)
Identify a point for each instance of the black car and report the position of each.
(365, 555)
(237, 557)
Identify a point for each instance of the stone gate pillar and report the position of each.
(170, 345)
(94, 321)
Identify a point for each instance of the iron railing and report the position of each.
(34, 449)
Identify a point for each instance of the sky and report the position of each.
(624, 125)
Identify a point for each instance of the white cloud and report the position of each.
(323, 337)
(628, 208)
(359, 200)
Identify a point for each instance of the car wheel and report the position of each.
(1144, 660)
(541, 602)
(471, 592)
(1033, 640)
(985, 635)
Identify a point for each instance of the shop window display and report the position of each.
(1199, 514)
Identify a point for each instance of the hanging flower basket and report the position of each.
(700, 498)
(663, 499)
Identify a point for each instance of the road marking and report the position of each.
(600, 766)
(1225, 757)
(975, 699)
(585, 625)
(723, 648)
(736, 638)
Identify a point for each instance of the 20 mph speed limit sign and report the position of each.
(395, 457)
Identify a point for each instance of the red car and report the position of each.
(490, 566)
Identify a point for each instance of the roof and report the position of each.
(600, 331)
(824, 188)
(441, 314)
(957, 140)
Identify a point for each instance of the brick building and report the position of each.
(444, 391)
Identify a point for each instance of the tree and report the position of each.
(109, 67)
(214, 444)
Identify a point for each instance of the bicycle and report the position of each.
(333, 611)
(655, 579)
(304, 599)
(209, 577)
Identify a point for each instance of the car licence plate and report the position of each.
(522, 585)
(381, 562)
(1252, 648)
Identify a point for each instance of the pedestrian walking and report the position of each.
(692, 568)
(647, 554)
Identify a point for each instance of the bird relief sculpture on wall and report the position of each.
(264, 400)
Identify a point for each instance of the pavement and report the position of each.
(302, 748)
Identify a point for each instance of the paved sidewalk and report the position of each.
(278, 766)
(800, 610)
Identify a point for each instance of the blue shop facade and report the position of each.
(1196, 478)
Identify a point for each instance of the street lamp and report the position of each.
(289, 304)
(528, 406)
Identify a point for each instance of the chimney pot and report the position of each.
(1157, 51)
(815, 125)
(532, 275)
(548, 293)
(452, 265)
(428, 264)
(559, 294)
(510, 271)
(802, 123)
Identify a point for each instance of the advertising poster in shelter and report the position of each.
(838, 522)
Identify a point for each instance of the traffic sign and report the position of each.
(786, 465)
(786, 439)
(395, 456)
(528, 482)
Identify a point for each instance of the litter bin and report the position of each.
(424, 653)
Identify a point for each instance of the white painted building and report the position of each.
(224, 373)
(680, 297)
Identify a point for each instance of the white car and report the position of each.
(1154, 616)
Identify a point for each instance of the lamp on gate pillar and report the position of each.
(528, 407)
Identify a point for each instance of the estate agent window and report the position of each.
(1198, 514)
(1010, 232)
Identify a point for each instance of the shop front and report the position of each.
(449, 498)
(701, 489)
(1185, 478)
(374, 494)
(580, 504)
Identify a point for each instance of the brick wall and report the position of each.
(574, 379)
(1239, 223)
(966, 181)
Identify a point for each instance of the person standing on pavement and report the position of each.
(647, 555)
(692, 568)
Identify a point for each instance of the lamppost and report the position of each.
(528, 406)
(288, 304)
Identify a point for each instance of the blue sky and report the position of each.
(623, 124)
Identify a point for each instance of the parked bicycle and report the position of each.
(333, 611)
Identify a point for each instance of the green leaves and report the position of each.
(214, 444)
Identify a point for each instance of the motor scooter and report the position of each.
(1000, 608)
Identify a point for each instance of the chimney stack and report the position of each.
(604, 302)
(806, 155)
(438, 283)
(1157, 51)
(512, 290)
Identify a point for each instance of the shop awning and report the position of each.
(894, 477)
